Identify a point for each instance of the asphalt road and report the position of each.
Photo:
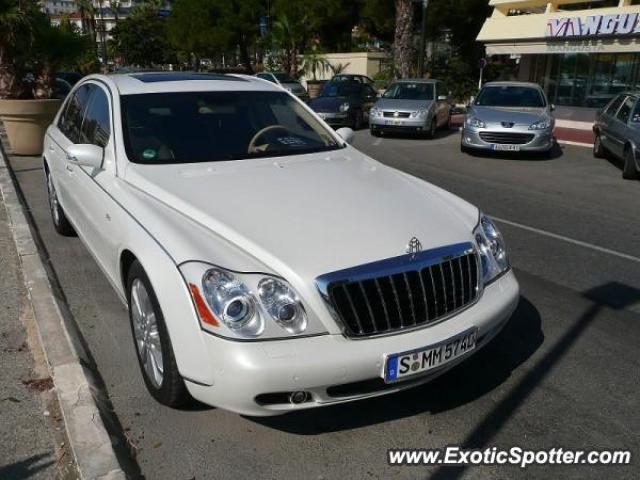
(563, 373)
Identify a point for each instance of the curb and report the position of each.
(88, 438)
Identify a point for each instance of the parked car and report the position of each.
(509, 116)
(617, 132)
(345, 103)
(416, 106)
(352, 77)
(244, 235)
(287, 82)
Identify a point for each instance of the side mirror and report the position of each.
(552, 107)
(443, 98)
(86, 155)
(346, 134)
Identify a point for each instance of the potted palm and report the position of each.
(31, 51)
(314, 64)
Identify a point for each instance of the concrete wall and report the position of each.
(361, 63)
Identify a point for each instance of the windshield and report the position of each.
(284, 78)
(186, 127)
(410, 91)
(341, 89)
(511, 96)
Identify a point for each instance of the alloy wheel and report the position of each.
(146, 334)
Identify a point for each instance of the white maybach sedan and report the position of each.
(268, 266)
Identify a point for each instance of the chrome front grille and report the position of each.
(393, 114)
(403, 292)
(507, 138)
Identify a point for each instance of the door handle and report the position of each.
(51, 148)
(68, 167)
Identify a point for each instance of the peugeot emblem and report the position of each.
(507, 124)
(414, 246)
(396, 114)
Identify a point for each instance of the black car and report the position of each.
(345, 103)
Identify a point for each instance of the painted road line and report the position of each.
(568, 240)
(576, 144)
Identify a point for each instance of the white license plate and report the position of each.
(394, 122)
(401, 366)
(507, 148)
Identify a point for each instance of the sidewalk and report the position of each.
(32, 436)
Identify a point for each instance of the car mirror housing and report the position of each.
(346, 134)
(86, 154)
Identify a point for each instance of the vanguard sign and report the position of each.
(594, 26)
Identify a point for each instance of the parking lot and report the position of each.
(563, 373)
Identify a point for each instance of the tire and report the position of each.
(433, 127)
(630, 170)
(151, 341)
(374, 132)
(358, 120)
(58, 217)
(598, 149)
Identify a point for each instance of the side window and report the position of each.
(614, 105)
(625, 111)
(71, 119)
(635, 118)
(96, 126)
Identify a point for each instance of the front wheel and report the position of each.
(59, 218)
(629, 171)
(598, 148)
(153, 345)
(431, 133)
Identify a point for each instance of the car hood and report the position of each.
(329, 104)
(403, 105)
(517, 116)
(303, 216)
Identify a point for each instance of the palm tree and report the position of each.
(16, 29)
(402, 43)
(289, 37)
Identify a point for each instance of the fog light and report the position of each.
(299, 397)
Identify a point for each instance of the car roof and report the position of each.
(416, 80)
(511, 83)
(159, 82)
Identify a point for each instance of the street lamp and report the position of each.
(423, 32)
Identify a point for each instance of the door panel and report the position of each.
(618, 132)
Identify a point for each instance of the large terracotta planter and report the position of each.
(26, 122)
(314, 87)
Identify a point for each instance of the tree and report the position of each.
(403, 38)
(142, 39)
(377, 17)
(16, 30)
(289, 38)
(202, 27)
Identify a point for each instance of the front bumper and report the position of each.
(336, 119)
(416, 125)
(332, 368)
(541, 141)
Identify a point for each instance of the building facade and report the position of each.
(581, 52)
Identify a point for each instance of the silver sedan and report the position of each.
(509, 116)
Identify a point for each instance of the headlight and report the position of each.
(475, 122)
(541, 125)
(231, 301)
(419, 113)
(246, 305)
(344, 107)
(493, 251)
(375, 112)
(282, 304)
